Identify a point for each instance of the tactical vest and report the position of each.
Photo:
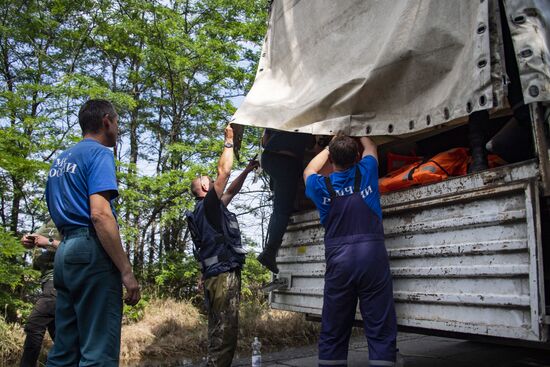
(216, 252)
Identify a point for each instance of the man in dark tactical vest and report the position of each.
(218, 248)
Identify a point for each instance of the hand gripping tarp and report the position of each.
(382, 67)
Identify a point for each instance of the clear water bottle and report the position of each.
(256, 354)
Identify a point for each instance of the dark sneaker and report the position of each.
(269, 262)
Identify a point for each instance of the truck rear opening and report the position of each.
(467, 253)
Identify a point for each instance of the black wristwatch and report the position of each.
(228, 145)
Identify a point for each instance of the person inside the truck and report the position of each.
(357, 265)
(282, 159)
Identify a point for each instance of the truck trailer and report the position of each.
(470, 255)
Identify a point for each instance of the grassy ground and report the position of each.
(172, 330)
(175, 330)
(11, 342)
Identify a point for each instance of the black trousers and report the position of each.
(41, 318)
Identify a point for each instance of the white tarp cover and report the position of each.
(529, 22)
(371, 67)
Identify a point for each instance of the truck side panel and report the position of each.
(464, 255)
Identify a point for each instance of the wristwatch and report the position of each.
(228, 145)
(50, 241)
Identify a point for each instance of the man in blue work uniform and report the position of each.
(90, 263)
(217, 238)
(357, 263)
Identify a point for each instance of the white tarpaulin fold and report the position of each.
(392, 67)
(370, 67)
(529, 22)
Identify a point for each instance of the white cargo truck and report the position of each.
(469, 255)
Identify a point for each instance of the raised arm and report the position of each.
(225, 163)
(317, 163)
(237, 183)
(369, 148)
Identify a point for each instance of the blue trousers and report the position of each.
(358, 271)
(88, 310)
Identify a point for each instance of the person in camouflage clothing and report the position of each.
(217, 238)
(224, 296)
(44, 243)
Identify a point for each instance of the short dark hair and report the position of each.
(343, 151)
(92, 112)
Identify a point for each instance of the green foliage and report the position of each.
(133, 314)
(14, 275)
(254, 275)
(178, 277)
(172, 69)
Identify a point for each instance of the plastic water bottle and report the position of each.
(256, 354)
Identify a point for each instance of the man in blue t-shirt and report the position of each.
(90, 263)
(357, 263)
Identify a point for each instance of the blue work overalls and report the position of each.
(357, 266)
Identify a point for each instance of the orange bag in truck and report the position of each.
(453, 162)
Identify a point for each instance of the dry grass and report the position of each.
(12, 337)
(168, 329)
(275, 329)
(176, 330)
(171, 330)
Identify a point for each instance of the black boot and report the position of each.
(477, 141)
(268, 259)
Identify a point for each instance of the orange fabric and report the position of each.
(495, 161)
(453, 162)
(396, 161)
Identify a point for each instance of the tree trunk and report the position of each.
(16, 202)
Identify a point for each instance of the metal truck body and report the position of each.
(467, 254)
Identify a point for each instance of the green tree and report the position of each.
(13, 274)
(172, 68)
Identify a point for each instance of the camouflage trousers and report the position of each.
(223, 295)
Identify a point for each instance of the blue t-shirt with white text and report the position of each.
(343, 183)
(85, 169)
